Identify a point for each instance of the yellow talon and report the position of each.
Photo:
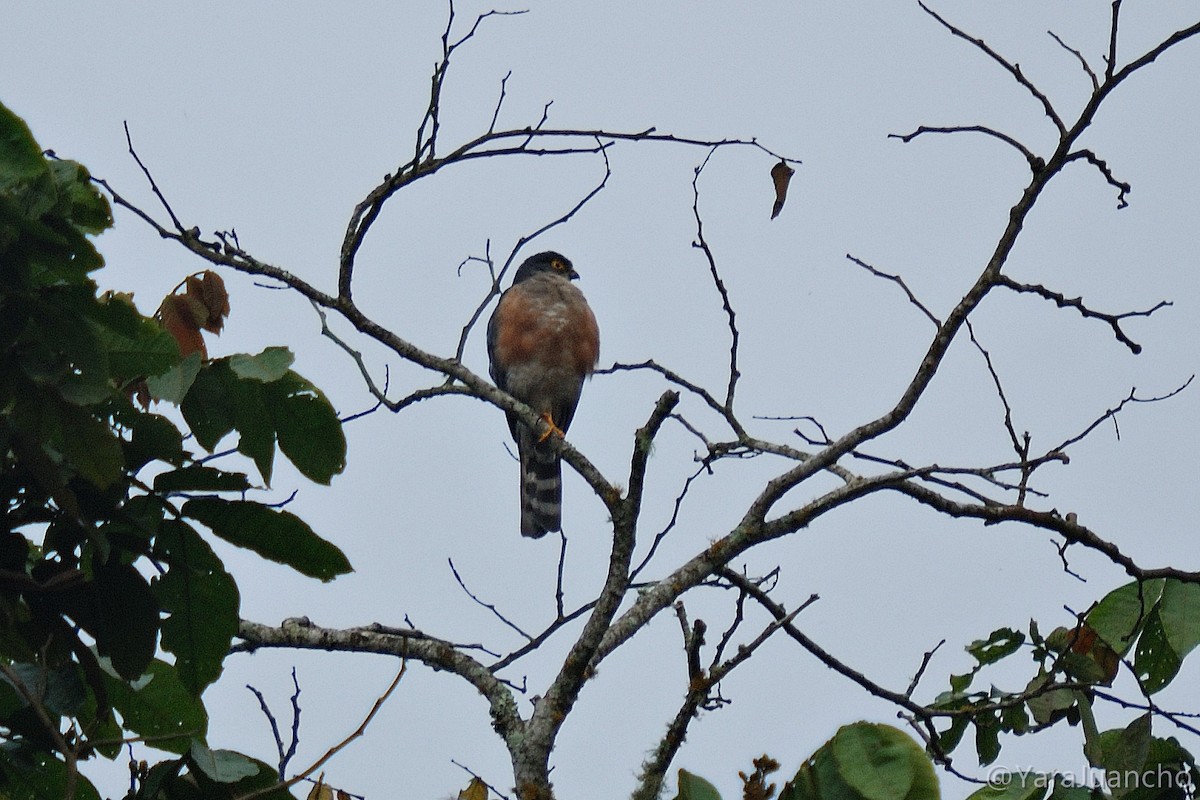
(553, 429)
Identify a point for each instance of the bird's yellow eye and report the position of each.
(558, 266)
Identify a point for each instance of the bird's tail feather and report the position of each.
(541, 491)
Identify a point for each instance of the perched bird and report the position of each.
(543, 342)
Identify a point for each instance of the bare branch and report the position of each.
(489, 606)
(150, 179)
(699, 686)
(285, 754)
(1122, 187)
(337, 748)
(1112, 413)
(1111, 60)
(499, 101)
(1008, 423)
(916, 679)
(1087, 68)
(1146, 58)
(784, 620)
(1062, 301)
(1013, 69)
(702, 244)
(899, 281)
(436, 653)
(662, 534)
(1035, 163)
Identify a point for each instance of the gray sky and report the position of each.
(276, 118)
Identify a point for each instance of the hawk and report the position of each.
(542, 342)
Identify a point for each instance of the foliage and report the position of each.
(1158, 621)
(863, 761)
(103, 559)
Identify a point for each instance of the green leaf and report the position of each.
(1126, 750)
(1014, 718)
(207, 408)
(172, 386)
(1071, 791)
(137, 347)
(202, 601)
(1001, 643)
(153, 438)
(252, 416)
(865, 761)
(289, 407)
(987, 738)
(200, 479)
(221, 766)
(1118, 617)
(1169, 773)
(21, 161)
(310, 433)
(82, 202)
(125, 618)
(1014, 786)
(878, 761)
(1155, 661)
(949, 738)
(1179, 613)
(1050, 705)
(266, 780)
(693, 787)
(60, 690)
(276, 535)
(159, 707)
(269, 365)
(960, 683)
(162, 779)
(39, 775)
(88, 444)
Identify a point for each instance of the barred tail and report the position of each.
(541, 491)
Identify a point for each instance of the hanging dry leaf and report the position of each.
(177, 316)
(781, 176)
(476, 790)
(203, 305)
(209, 289)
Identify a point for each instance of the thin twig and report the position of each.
(899, 281)
(1035, 163)
(337, 748)
(702, 244)
(1122, 187)
(489, 606)
(1082, 61)
(150, 178)
(916, 679)
(1013, 69)
(1062, 301)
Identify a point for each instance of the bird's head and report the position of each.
(549, 261)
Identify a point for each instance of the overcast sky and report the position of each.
(277, 118)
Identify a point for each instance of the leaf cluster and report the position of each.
(104, 560)
(863, 761)
(1147, 626)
